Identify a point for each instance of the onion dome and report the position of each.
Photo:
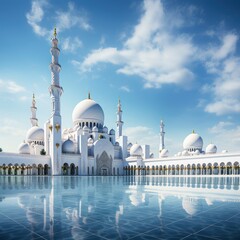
(211, 149)
(136, 150)
(88, 111)
(105, 129)
(68, 146)
(24, 148)
(164, 153)
(35, 133)
(95, 129)
(193, 142)
(112, 132)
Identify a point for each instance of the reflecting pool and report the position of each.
(144, 207)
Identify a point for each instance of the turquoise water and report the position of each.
(147, 207)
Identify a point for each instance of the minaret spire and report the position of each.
(55, 33)
(119, 119)
(162, 133)
(56, 120)
(34, 120)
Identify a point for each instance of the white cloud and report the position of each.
(143, 135)
(62, 19)
(152, 52)
(225, 67)
(10, 87)
(70, 18)
(229, 131)
(35, 17)
(11, 127)
(220, 127)
(125, 88)
(228, 46)
(71, 44)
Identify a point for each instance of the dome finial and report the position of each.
(55, 32)
(89, 95)
(193, 131)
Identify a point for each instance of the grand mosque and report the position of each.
(90, 148)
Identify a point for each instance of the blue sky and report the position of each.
(173, 60)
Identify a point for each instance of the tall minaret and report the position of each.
(119, 120)
(34, 120)
(55, 121)
(162, 133)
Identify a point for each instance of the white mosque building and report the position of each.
(90, 148)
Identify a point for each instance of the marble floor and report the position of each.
(119, 207)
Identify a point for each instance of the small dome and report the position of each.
(164, 153)
(211, 148)
(105, 129)
(68, 146)
(136, 150)
(116, 143)
(95, 129)
(24, 148)
(197, 152)
(179, 154)
(88, 111)
(112, 132)
(224, 151)
(192, 142)
(35, 133)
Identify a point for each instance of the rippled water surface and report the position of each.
(149, 207)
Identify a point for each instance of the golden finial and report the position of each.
(55, 33)
(89, 96)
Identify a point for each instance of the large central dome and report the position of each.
(88, 111)
(193, 142)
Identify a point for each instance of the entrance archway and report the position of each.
(104, 164)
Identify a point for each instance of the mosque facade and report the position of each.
(90, 148)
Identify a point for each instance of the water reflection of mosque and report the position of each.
(49, 201)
